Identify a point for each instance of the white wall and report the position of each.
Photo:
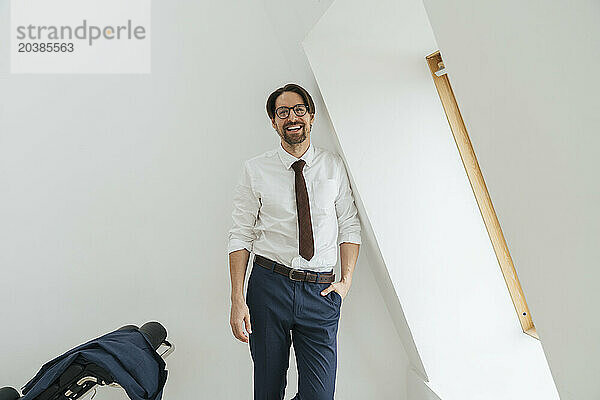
(417, 389)
(116, 201)
(524, 74)
(369, 62)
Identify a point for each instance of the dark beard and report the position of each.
(294, 140)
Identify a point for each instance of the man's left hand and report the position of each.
(340, 287)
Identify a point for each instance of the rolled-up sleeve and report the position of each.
(245, 211)
(345, 209)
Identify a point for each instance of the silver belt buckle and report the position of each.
(291, 272)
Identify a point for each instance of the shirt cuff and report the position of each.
(237, 244)
(352, 237)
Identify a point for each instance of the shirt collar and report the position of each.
(287, 159)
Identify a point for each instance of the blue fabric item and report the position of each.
(283, 312)
(126, 354)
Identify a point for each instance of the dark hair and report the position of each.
(290, 87)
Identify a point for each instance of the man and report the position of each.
(292, 207)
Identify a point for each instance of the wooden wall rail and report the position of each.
(467, 154)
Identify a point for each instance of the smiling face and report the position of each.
(293, 129)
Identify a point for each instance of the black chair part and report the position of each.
(155, 332)
(8, 393)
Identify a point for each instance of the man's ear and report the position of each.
(273, 123)
(312, 118)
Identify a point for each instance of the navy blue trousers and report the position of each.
(283, 312)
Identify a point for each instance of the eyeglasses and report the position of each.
(299, 109)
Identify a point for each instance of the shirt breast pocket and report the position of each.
(324, 193)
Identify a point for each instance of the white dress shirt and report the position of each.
(265, 218)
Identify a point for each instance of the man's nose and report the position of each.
(293, 117)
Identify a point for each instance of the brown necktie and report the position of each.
(307, 248)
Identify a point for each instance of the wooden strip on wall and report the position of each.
(467, 154)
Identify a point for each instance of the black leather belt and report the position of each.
(293, 273)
